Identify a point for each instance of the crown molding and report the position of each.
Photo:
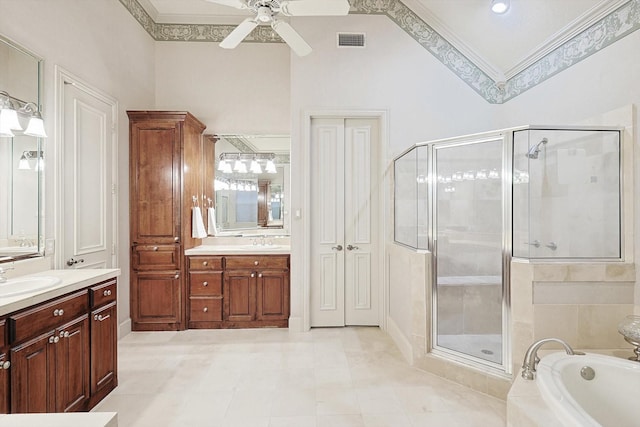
(150, 9)
(445, 31)
(566, 34)
(200, 19)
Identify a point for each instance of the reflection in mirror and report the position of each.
(252, 184)
(21, 154)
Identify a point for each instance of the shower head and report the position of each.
(535, 149)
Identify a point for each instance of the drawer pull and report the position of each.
(58, 312)
(155, 248)
(205, 263)
(107, 292)
(205, 309)
(205, 283)
(101, 318)
(256, 262)
(5, 365)
(54, 340)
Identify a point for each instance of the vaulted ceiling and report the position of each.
(507, 53)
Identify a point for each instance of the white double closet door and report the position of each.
(344, 222)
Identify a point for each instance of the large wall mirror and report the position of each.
(252, 184)
(21, 155)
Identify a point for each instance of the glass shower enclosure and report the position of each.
(535, 192)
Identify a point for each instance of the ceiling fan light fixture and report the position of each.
(264, 14)
(499, 6)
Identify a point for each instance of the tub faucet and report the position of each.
(531, 359)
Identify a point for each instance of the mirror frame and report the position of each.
(39, 247)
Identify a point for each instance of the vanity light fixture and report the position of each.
(10, 110)
(271, 167)
(24, 164)
(499, 6)
(255, 166)
(240, 166)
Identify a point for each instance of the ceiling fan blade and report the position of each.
(291, 37)
(238, 4)
(239, 33)
(315, 7)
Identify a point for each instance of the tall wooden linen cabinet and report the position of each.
(167, 171)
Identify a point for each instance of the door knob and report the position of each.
(72, 261)
(352, 248)
(337, 248)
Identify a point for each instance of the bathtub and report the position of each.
(610, 399)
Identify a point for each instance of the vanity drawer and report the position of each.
(47, 316)
(205, 284)
(103, 293)
(205, 309)
(252, 262)
(156, 257)
(205, 263)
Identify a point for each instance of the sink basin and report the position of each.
(25, 285)
(259, 248)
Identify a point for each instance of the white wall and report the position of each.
(422, 98)
(100, 42)
(244, 90)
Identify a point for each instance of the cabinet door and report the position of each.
(155, 181)
(33, 375)
(72, 366)
(5, 367)
(273, 295)
(155, 300)
(104, 355)
(239, 295)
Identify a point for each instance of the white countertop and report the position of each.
(75, 419)
(71, 280)
(239, 250)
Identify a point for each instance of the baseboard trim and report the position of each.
(296, 324)
(124, 329)
(403, 343)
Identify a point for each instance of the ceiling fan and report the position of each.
(266, 11)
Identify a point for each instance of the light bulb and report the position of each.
(499, 6)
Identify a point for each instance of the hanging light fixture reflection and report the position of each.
(23, 164)
(255, 166)
(271, 167)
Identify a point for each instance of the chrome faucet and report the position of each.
(3, 271)
(531, 359)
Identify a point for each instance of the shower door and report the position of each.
(468, 232)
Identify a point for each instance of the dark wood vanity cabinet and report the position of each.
(244, 291)
(5, 365)
(166, 174)
(56, 353)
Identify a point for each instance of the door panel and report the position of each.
(88, 187)
(344, 205)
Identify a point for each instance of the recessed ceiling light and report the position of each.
(499, 6)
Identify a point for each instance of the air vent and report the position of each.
(350, 40)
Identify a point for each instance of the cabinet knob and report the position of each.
(58, 312)
(260, 275)
(107, 292)
(205, 309)
(100, 317)
(177, 276)
(155, 248)
(176, 239)
(205, 283)
(256, 262)
(205, 263)
(5, 365)
(54, 340)
(64, 334)
(253, 275)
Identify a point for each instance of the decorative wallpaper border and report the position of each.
(603, 33)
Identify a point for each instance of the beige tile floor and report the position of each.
(273, 378)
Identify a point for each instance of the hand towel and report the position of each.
(197, 224)
(211, 215)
